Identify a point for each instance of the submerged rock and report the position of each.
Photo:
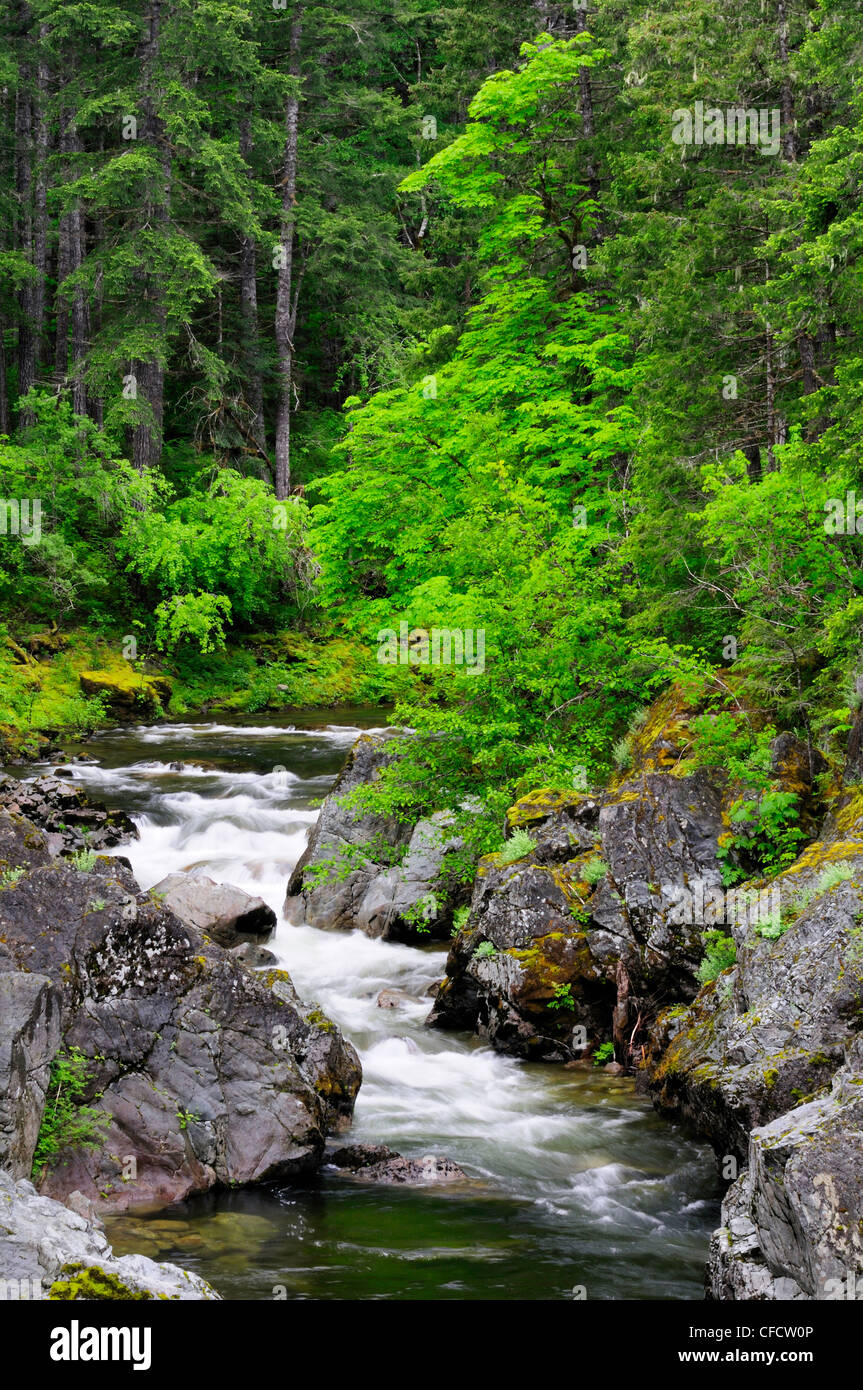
(393, 999)
(378, 1164)
(48, 1251)
(255, 957)
(206, 1074)
(228, 915)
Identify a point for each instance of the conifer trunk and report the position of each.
(287, 296)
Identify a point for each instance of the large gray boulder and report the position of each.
(228, 915)
(659, 832)
(570, 945)
(524, 945)
(29, 1039)
(772, 1030)
(207, 1073)
(792, 1224)
(374, 872)
(375, 1163)
(49, 1251)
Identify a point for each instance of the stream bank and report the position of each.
(573, 1180)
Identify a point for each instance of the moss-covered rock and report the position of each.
(93, 1282)
(127, 692)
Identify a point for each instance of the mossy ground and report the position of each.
(41, 697)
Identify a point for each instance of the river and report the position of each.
(578, 1189)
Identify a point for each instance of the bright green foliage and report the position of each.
(765, 836)
(516, 847)
(559, 381)
(83, 860)
(459, 919)
(604, 1053)
(833, 875)
(720, 953)
(67, 1123)
(562, 998)
(594, 870)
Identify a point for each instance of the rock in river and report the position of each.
(228, 915)
(206, 1074)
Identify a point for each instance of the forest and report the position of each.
(540, 321)
(430, 449)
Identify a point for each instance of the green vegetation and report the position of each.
(516, 847)
(78, 1281)
(459, 919)
(67, 1123)
(482, 348)
(603, 1054)
(485, 951)
(765, 837)
(594, 870)
(720, 952)
(833, 875)
(562, 998)
(83, 860)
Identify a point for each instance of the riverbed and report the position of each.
(576, 1188)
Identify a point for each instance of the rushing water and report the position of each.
(574, 1182)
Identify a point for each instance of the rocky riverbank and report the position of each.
(592, 942)
(182, 1069)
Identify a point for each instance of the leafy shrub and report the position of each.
(720, 952)
(516, 847)
(67, 1123)
(765, 836)
(485, 951)
(562, 998)
(621, 754)
(726, 739)
(459, 919)
(773, 925)
(594, 870)
(833, 875)
(83, 860)
(604, 1053)
(422, 912)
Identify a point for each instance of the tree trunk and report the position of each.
(806, 349)
(4, 406)
(287, 296)
(24, 191)
(149, 374)
(40, 209)
(249, 307)
(77, 252)
(771, 397)
(786, 99)
(64, 256)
